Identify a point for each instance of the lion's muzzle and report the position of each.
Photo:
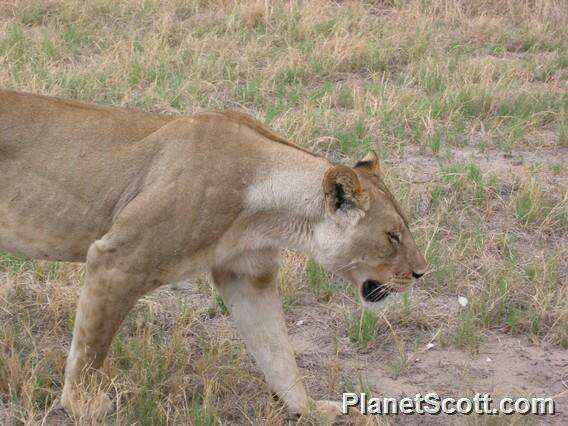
(374, 291)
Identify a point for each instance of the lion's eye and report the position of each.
(394, 237)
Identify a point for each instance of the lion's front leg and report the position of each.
(110, 291)
(257, 311)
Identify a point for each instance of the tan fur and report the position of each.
(148, 199)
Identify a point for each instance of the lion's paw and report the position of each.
(330, 409)
(95, 408)
(330, 412)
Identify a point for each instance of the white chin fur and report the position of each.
(382, 305)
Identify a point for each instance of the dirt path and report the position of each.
(504, 367)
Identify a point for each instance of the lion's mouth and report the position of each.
(374, 291)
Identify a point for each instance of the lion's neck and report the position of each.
(290, 199)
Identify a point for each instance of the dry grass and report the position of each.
(467, 102)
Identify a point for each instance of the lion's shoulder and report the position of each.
(244, 119)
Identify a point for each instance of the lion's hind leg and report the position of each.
(110, 291)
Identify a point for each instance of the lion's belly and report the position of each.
(45, 222)
(39, 248)
(50, 239)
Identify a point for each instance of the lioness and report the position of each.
(149, 199)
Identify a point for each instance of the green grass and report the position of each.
(534, 206)
(221, 305)
(15, 263)
(318, 280)
(467, 332)
(467, 180)
(363, 327)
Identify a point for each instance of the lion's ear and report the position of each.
(370, 163)
(343, 191)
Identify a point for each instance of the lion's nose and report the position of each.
(415, 275)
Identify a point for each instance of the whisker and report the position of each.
(349, 265)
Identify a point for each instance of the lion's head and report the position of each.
(364, 237)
